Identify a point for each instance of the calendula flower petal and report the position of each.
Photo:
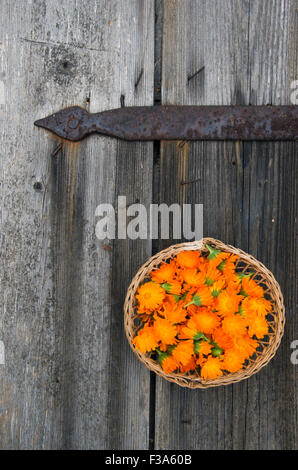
(227, 303)
(212, 368)
(232, 361)
(251, 288)
(189, 366)
(222, 339)
(177, 314)
(258, 327)
(205, 321)
(245, 346)
(256, 306)
(188, 259)
(146, 340)
(203, 347)
(150, 295)
(183, 352)
(165, 330)
(192, 277)
(165, 273)
(169, 364)
(234, 325)
(173, 287)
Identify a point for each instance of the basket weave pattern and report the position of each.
(246, 264)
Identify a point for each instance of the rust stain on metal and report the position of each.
(178, 123)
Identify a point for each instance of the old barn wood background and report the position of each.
(70, 380)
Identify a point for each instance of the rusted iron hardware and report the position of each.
(178, 123)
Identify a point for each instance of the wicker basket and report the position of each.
(246, 263)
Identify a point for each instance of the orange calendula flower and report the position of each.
(257, 306)
(177, 314)
(150, 295)
(258, 327)
(169, 364)
(203, 347)
(229, 270)
(245, 346)
(212, 275)
(165, 331)
(193, 328)
(188, 259)
(165, 273)
(212, 368)
(233, 282)
(251, 288)
(205, 321)
(222, 339)
(228, 303)
(216, 257)
(232, 361)
(173, 287)
(192, 277)
(191, 365)
(189, 331)
(183, 351)
(146, 339)
(202, 296)
(234, 325)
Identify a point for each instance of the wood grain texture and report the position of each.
(249, 54)
(69, 381)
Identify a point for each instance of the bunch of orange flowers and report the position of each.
(197, 313)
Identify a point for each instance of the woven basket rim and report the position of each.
(269, 280)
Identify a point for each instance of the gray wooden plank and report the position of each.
(246, 49)
(270, 212)
(67, 363)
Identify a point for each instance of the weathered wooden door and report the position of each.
(69, 379)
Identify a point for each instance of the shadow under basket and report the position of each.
(245, 264)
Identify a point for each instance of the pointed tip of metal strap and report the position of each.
(41, 123)
(67, 123)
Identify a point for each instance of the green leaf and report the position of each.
(171, 348)
(242, 292)
(212, 252)
(215, 293)
(241, 312)
(216, 350)
(199, 335)
(221, 265)
(166, 287)
(179, 297)
(209, 281)
(196, 347)
(161, 355)
(196, 300)
(242, 275)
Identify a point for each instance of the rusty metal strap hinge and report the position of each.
(178, 123)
